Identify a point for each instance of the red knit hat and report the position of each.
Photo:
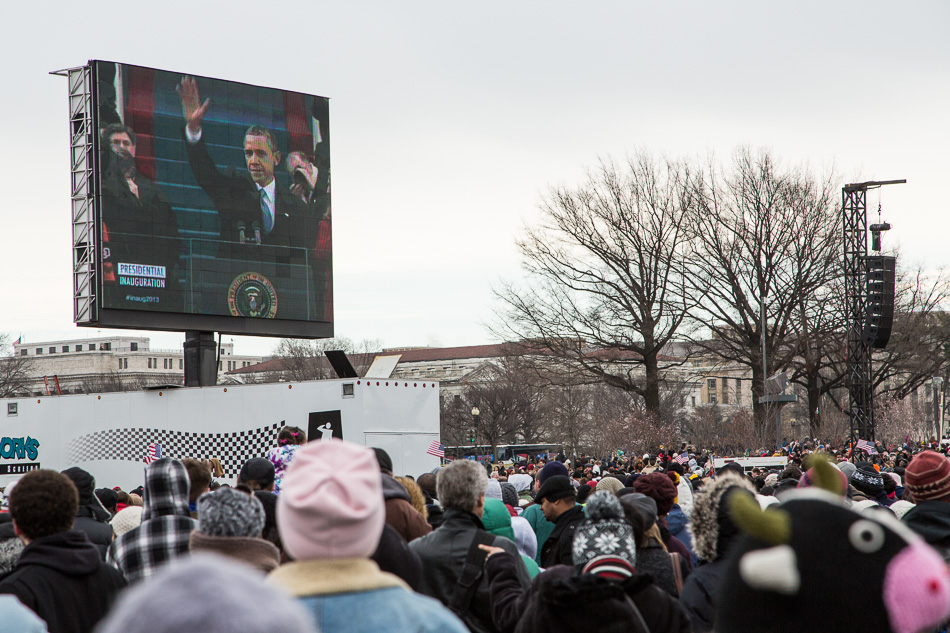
(927, 476)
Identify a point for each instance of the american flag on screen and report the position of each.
(682, 458)
(864, 445)
(154, 452)
(436, 448)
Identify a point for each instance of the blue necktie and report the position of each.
(268, 218)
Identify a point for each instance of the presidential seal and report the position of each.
(252, 295)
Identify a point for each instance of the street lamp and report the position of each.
(474, 430)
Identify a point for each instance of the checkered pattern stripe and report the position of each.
(232, 449)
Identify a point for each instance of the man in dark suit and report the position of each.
(251, 206)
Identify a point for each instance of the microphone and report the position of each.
(256, 227)
(241, 228)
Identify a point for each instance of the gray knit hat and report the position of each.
(230, 512)
(208, 594)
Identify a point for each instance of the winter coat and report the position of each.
(400, 514)
(443, 554)
(562, 599)
(558, 548)
(99, 532)
(394, 556)
(166, 523)
(63, 579)
(656, 561)
(351, 595)
(931, 519)
(541, 526)
(714, 534)
(260, 554)
(677, 522)
(699, 594)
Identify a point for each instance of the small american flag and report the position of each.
(154, 452)
(436, 448)
(864, 445)
(682, 458)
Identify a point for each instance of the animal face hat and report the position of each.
(814, 564)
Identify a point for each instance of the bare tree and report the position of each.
(604, 267)
(15, 371)
(304, 359)
(761, 234)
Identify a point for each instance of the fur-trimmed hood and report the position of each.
(708, 520)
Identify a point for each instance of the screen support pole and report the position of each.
(201, 365)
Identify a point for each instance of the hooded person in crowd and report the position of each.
(400, 515)
(166, 524)
(714, 535)
(927, 479)
(60, 574)
(207, 594)
(230, 523)
(109, 500)
(498, 521)
(91, 517)
(330, 515)
(451, 561)
(599, 591)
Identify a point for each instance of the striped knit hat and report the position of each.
(928, 476)
(603, 544)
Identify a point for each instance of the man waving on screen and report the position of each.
(252, 207)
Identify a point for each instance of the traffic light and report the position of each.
(471, 436)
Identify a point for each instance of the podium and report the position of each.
(249, 280)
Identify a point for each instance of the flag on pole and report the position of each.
(436, 448)
(17, 342)
(154, 452)
(864, 445)
(682, 458)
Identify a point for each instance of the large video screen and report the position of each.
(213, 204)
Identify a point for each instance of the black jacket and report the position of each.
(99, 532)
(63, 579)
(443, 552)
(561, 599)
(700, 591)
(931, 519)
(558, 548)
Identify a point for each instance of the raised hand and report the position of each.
(191, 106)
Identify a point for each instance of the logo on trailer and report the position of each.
(252, 295)
(19, 448)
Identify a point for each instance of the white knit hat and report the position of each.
(125, 519)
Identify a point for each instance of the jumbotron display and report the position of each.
(212, 205)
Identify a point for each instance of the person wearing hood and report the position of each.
(498, 521)
(400, 514)
(166, 524)
(91, 517)
(714, 534)
(60, 574)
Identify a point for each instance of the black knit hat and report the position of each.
(509, 494)
(556, 487)
(257, 469)
(868, 480)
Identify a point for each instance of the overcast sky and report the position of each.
(450, 120)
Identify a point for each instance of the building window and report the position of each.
(693, 401)
(79, 348)
(106, 346)
(120, 363)
(711, 391)
(181, 363)
(24, 352)
(39, 350)
(133, 347)
(52, 350)
(725, 391)
(65, 348)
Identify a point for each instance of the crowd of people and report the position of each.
(322, 536)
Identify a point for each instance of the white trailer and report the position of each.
(109, 434)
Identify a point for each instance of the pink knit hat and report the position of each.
(331, 502)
